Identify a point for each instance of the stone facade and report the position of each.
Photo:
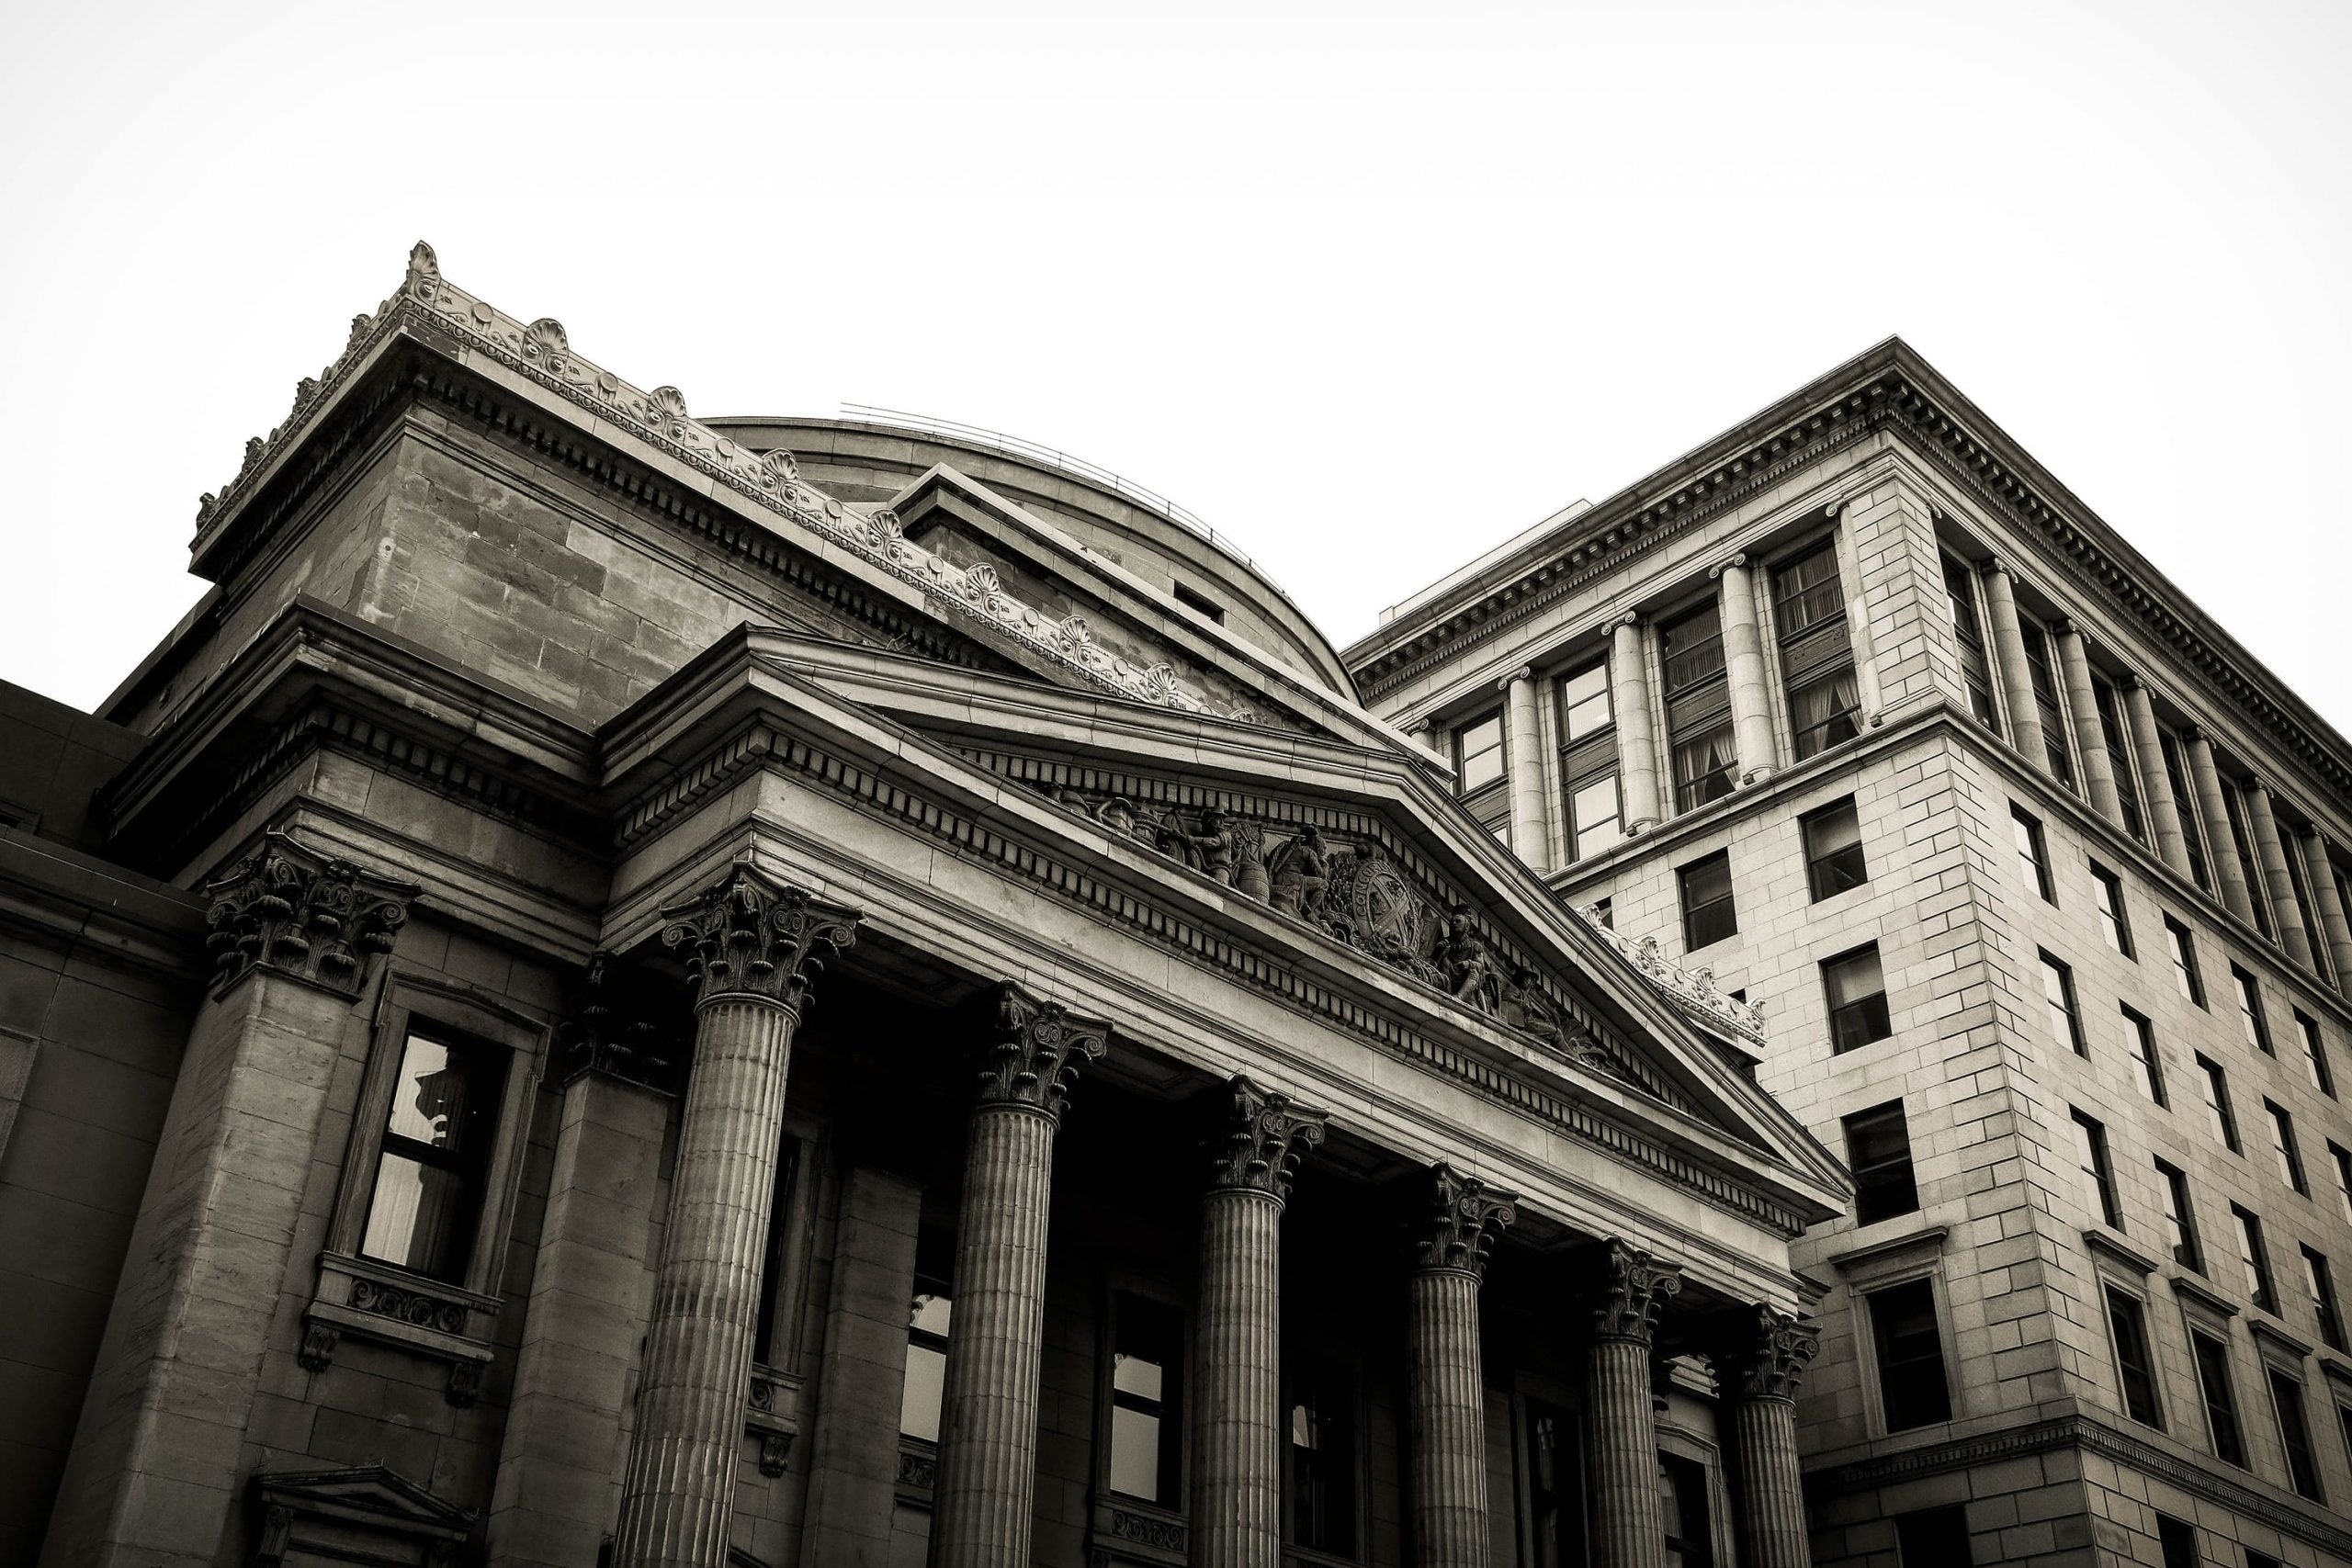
(1957, 730)
(617, 993)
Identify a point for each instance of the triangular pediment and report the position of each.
(1325, 855)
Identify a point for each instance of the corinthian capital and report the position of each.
(1761, 1353)
(288, 909)
(1633, 1289)
(1265, 1136)
(1458, 1229)
(1037, 1052)
(752, 936)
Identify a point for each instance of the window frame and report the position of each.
(1349, 1376)
(1884, 1016)
(2225, 1422)
(2254, 1022)
(2318, 1282)
(2180, 947)
(1818, 861)
(2341, 1157)
(1880, 1413)
(1976, 677)
(2150, 1373)
(1172, 1476)
(2218, 1112)
(2040, 646)
(2295, 1443)
(1864, 1174)
(2283, 1147)
(2033, 852)
(2115, 919)
(2097, 1165)
(2065, 1004)
(2182, 1239)
(2147, 1059)
(1695, 934)
(2253, 1260)
(2316, 1068)
(2107, 701)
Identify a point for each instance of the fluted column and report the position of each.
(2155, 779)
(1759, 1359)
(1751, 697)
(2270, 857)
(2229, 871)
(2017, 678)
(1529, 832)
(2098, 766)
(987, 1432)
(2335, 927)
(1621, 1427)
(1237, 1422)
(1629, 701)
(751, 945)
(1446, 1386)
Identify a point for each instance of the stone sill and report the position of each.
(2204, 1295)
(1123, 1530)
(1927, 1241)
(2103, 1243)
(393, 1306)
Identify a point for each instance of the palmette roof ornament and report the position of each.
(291, 910)
(1691, 990)
(750, 937)
(541, 351)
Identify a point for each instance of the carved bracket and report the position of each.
(1458, 1229)
(753, 936)
(1037, 1051)
(1266, 1134)
(288, 909)
(606, 1034)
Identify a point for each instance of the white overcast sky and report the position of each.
(1371, 287)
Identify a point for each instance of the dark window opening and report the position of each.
(2134, 1367)
(1708, 913)
(2295, 1434)
(1912, 1388)
(1877, 1151)
(2212, 1359)
(432, 1167)
(1832, 849)
(1857, 992)
(1200, 604)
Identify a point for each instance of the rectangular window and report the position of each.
(433, 1164)
(2217, 1103)
(1146, 1386)
(2255, 1258)
(1554, 1493)
(1698, 708)
(2178, 1540)
(1200, 604)
(2058, 1001)
(2147, 1064)
(1877, 1151)
(2032, 857)
(1832, 849)
(2180, 1219)
(2120, 757)
(2212, 1359)
(1968, 628)
(1323, 1450)
(2341, 1157)
(2251, 1021)
(929, 1321)
(1816, 652)
(1708, 915)
(2114, 920)
(2316, 1065)
(1589, 762)
(1911, 1384)
(1857, 992)
(2091, 1152)
(1478, 751)
(774, 1258)
(2282, 1147)
(2321, 1284)
(2135, 1367)
(1934, 1538)
(1682, 1498)
(2242, 845)
(2295, 1433)
(2183, 799)
(2182, 949)
(2041, 672)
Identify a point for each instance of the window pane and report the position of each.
(2135, 1368)
(1693, 648)
(420, 1218)
(1482, 752)
(926, 1382)
(1135, 1454)
(1912, 1389)
(1705, 768)
(1825, 712)
(429, 1101)
(2212, 1360)
(1584, 697)
(1593, 815)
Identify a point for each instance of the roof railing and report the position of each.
(1069, 463)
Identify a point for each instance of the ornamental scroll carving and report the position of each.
(290, 909)
(1265, 1135)
(1458, 1228)
(541, 351)
(753, 936)
(1692, 989)
(1355, 891)
(1035, 1052)
(1762, 1352)
(1633, 1289)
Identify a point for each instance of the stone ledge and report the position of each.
(393, 1306)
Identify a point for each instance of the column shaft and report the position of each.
(2155, 779)
(2270, 852)
(2098, 766)
(988, 1434)
(1629, 701)
(680, 1488)
(1858, 620)
(2229, 869)
(1530, 821)
(1770, 1488)
(1237, 1424)
(1621, 1455)
(1449, 1415)
(1751, 699)
(2017, 679)
(2335, 920)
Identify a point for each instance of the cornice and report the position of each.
(2090, 1433)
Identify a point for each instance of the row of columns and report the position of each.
(2142, 748)
(751, 945)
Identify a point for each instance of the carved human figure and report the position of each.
(1471, 970)
(1303, 876)
(1250, 860)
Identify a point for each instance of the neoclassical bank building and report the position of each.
(644, 989)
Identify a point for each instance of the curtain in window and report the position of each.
(1697, 759)
(1824, 712)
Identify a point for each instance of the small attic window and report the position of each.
(1198, 602)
